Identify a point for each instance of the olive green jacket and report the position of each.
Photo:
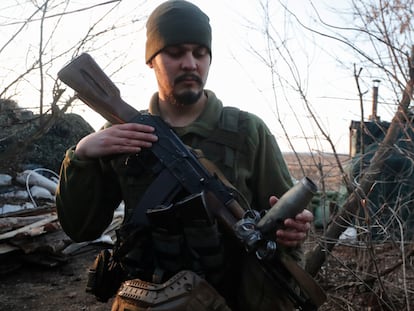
(89, 191)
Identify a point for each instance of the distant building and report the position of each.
(363, 135)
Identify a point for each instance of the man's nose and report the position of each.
(189, 62)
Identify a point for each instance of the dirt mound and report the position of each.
(29, 141)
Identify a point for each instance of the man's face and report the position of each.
(181, 72)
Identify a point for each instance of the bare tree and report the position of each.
(41, 25)
(377, 38)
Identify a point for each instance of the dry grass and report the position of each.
(360, 275)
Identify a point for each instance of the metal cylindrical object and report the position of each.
(289, 205)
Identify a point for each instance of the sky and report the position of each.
(239, 75)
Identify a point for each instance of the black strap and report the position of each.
(161, 191)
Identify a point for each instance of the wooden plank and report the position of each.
(7, 248)
(13, 222)
(13, 233)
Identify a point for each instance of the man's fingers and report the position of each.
(305, 216)
(296, 225)
(290, 238)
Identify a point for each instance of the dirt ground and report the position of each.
(349, 277)
(32, 287)
(362, 278)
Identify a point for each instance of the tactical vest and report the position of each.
(166, 250)
(226, 144)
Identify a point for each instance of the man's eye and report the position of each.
(200, 52)
(174, 53)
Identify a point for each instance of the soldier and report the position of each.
(114, 165)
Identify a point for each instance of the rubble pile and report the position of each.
(29, 163)
(29, 226)
(29, 229)
(27, 142)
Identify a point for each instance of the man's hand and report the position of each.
(117, 139)
(296, 230)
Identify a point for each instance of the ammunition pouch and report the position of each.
(184, 291)
(186, 237)
(105, 276)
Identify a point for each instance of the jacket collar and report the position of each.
(205, 123)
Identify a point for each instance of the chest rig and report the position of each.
(226, 144)
(180, 233)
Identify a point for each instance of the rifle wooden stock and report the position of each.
(96, 90)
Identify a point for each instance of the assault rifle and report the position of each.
(183, 170)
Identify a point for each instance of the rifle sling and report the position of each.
(162, 190)
(307, 284)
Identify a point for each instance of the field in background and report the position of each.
(313, 164)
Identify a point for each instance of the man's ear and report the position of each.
(150, 64)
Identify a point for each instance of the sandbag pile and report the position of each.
(29, 226)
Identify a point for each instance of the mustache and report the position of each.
(188, 76)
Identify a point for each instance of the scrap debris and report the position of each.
(29, 227)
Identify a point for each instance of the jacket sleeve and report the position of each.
(271, 174)
(86, 197)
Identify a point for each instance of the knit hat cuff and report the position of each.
(176, 22)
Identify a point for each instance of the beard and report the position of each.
(189, 97)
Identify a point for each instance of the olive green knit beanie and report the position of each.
(176, 22)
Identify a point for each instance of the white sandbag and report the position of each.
(5, 180)
(34, 178)
(11, 208)
(41, 193)
(18, 194)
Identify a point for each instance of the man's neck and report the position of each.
(181, 115)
